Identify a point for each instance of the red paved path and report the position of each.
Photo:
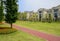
(39, 34)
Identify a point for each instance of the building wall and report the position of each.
(46, 12)
(43, 14)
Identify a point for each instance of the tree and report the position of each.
(33, 17)
(50, 18)
(11, 11)
(1, 11)
(18, 15)
(39, 17)
(23, 16)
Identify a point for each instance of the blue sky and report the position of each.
(29, 5)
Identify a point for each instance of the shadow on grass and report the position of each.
(7, 30)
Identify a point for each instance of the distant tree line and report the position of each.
(34, 17)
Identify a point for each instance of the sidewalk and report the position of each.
(45, 36)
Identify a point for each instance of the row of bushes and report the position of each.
(36, 17)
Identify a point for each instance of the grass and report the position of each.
(50, 28)
(4, 25)
(17, 36)
(7, 30)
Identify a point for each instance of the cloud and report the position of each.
(28, 5)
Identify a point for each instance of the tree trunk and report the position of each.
(11, 25)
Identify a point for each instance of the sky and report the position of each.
(34, 5)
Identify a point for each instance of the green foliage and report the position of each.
(18, 15)
(50, 18)
(1, 11)
(11, 11)
(43, 20)
(23, 16)
(33, 17)
(39, 17)
(45, 17)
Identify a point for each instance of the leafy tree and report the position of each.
(1, 11)
(33, 17)
(50, 18)
(11, 11)
(18, 15)
(39, 17)
(23, 16)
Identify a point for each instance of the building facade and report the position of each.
(44, 13)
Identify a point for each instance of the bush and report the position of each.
(43, 20)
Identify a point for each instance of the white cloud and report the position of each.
(36, 4)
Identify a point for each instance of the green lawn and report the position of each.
(50, 28)
(18, 36)
(4, 25)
